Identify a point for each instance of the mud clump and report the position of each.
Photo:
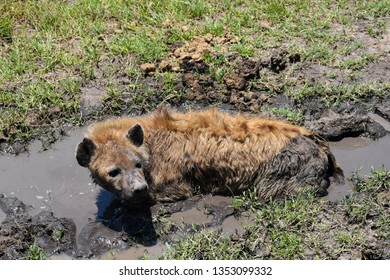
(98, 239)
(334, 127)
(121, 226)
(190, 56)
(201, 88)
(91, 99)
(279, 60)
(245, 71)
(148, 68)
(384, 110)
(19, 231)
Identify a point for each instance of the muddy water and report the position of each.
(52, 180)
(358, 153)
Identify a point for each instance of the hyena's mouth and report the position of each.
(136, 195)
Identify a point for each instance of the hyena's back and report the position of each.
(221, 153)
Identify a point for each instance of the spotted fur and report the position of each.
(168, 156)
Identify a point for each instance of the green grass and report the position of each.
(43, 43)
(357, 64)
(379, 180)
(291, 115)
(145, 44)
(348, 240)
(35, 253)
(358, 209)
(204, 245)
(334, 94)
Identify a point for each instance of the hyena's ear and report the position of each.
(85, 151)
(136, 135)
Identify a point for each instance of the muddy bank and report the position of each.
(58, 196)
(21, 234)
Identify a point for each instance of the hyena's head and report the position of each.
(117, 165)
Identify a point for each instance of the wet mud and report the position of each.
(21, 230)
(46, 193)
(354, 154)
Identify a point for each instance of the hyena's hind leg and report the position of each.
(301, 165)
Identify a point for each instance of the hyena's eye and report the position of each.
(115, 172)
(138, 165)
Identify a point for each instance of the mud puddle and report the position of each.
(106, 229)
(358, 153)
(51, 180)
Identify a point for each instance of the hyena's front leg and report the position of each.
(172, 191)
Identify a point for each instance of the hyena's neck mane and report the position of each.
(110, 130)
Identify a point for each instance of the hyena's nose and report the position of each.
(141, 190)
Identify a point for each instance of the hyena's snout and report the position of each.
(136, 189)
(140, 190)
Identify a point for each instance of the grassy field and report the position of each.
(51, 50)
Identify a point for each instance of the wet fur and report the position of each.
(214, 152)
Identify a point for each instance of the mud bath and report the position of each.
(51, 180)
(358, 153)
(106, 229)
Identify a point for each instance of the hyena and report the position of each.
(167, 156)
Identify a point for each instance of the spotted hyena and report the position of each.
(166, 156)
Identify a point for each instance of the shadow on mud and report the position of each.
(133, 219)
(117, 226)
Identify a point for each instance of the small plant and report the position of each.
(380, 178)
(358, 211)
(286, 245)
(348, 239)
(204, 245)
(291, 115)
(164, 226)
(169, 80)
(247, 201)
(57, 234)
(5, 26)
(35, 253)
(377, 181)
(113, 101)
(384, 224)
